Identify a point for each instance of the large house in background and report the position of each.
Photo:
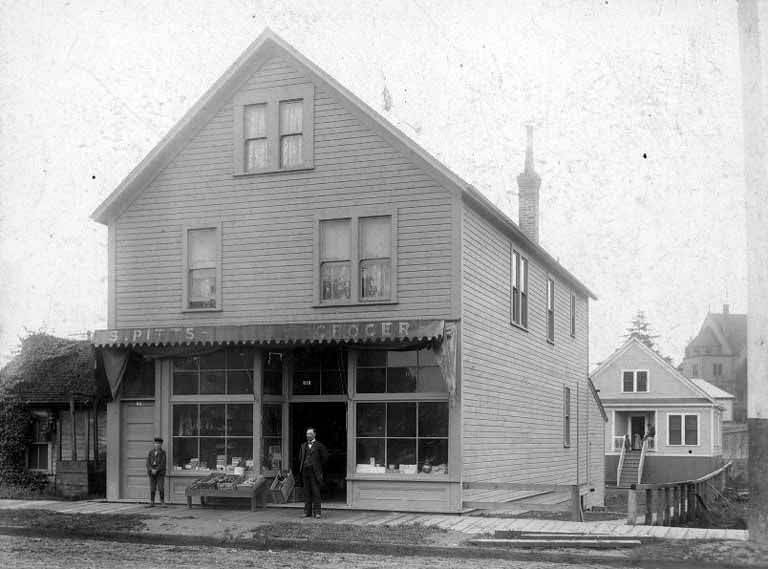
(718, 354)
(663, 426)
(285, 257)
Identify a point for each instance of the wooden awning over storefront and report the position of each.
(368, 331)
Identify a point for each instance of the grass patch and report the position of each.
(86, 523)
(411, 534)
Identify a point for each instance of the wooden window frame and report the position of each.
(354, 215)
(573, 314)
(272, 99)
(566, 416)
(634, 373)
(217, 226)
(518, 289)
(683, 440)
(550, 309)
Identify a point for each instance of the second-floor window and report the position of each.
(634, 381)
(203, 269)
(519, 282)
(356, 259)
(274, 130)
(695, 370)
(550, 310)
(717, 370)
(566, 416)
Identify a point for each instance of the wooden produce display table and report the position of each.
(207, 487)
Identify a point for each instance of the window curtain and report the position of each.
(446, 355)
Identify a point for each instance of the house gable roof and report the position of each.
(669, 368)
(713, 391)
(728, 330)
(267, 45)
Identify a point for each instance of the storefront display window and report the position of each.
(272, 437)
(273, 373)
(407, 371)
(320, 373)
(212, 436)
(222, 372)
(402, 437)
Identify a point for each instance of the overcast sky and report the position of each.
(637, 107)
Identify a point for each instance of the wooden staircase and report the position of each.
(629, 469)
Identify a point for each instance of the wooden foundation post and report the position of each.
(632, 507)
(74, 426)
(648, 507)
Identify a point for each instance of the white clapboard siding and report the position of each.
(512, 380)
(268, 223)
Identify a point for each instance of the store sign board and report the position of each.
(314, 332)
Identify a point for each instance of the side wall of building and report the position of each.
(513, 379)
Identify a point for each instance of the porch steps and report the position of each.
(629, 469)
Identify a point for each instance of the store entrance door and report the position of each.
(330, 423)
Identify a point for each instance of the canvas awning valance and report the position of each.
(369, 331)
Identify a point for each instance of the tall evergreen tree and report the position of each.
(642, 330)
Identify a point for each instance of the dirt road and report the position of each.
(45, 553)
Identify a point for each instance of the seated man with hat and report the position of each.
(156, 471)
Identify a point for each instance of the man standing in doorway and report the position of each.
(156, 471)
(312, 458)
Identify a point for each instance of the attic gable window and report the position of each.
(634, 381)
(274, 130)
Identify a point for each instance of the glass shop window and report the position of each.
(222, 372)
(215, 436)
(402, 438)
(272, 437)
(320, 372)
(273, 373)
(409, 371)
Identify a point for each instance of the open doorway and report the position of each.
(637, 431)
(330, 423)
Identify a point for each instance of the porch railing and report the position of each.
(621, 461)
(618, 442)
(676, 502)
(642, 460)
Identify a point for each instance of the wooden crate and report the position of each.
(282, 489)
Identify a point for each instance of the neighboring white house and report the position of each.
(650, 404)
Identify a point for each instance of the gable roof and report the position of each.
(714, 391)
(48, 369)
(267, 45)
(634, 342)
(734, 328)
(729, 330)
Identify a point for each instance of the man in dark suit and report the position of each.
(156, 471)
(312, 458)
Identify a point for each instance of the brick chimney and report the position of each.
(528, 182)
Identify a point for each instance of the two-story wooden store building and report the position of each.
(285, 257)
